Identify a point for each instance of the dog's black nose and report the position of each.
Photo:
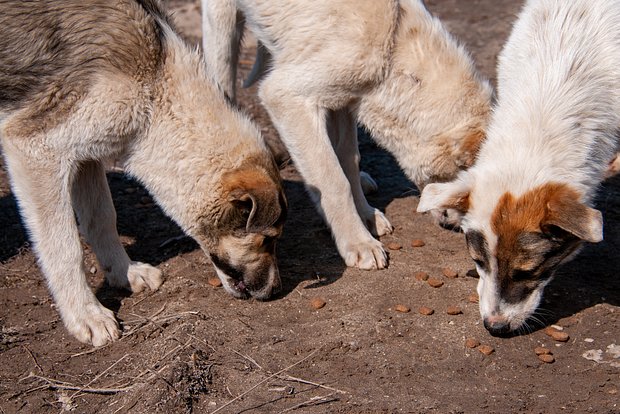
(497, 328)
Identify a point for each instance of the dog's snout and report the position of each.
(497, 326)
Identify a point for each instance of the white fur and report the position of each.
(557, 120)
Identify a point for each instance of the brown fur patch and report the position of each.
(471, 145)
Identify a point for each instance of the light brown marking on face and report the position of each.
(471, 145)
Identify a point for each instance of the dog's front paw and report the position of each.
(142, 275)
(366, 256)
(369, 185)
(93, 324)
(377, 223)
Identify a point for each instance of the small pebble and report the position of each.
(559, 336)
(472, 343)
(436, 283)
(450, 273)
(394, 246)
(541, 350)
(402, 308)
(454, 310)
(589, 340)
(425, 310)
(472, 273)
(546, 358)
(93, 270)
(473, 298)
(486, 349)
(317, 303)
(421, 276)
(214, 281)
(417, 243)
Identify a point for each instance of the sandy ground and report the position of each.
(190, 347)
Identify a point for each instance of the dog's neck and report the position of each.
(193, 137)
(431, 109)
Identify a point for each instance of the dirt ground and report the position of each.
(190, 347)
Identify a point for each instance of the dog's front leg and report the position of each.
(42, 184)
(97, 222)
(301, 122)
(342, 130)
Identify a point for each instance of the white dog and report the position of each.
(86, 81)
(387, 64)
(527, 201)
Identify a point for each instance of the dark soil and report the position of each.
(190, 347)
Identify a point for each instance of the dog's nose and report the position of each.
(497, 327)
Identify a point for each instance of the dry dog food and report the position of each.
(473, 298)
(454, 310)
(214, 281)
(421, 276)
(417, 243)
(394, 246)
(472, 343)
(450, 273)
(425, 310)
(486, 349)
(541, 350)
(546, 358)
(559, 336)
(317, 303)
(402, 308)
(436, 283)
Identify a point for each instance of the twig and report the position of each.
(265, 380)
(100, 375)
(316, 384)
(33, 358)
(65, 386)
(320, 399)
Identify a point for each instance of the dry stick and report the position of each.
(100, 375)
(266, 379)
(320, 399)
(33, 358)
(62, 385)
(316, 384)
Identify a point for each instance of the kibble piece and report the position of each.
(486, 349)
(402, 308)
(454, 310)
(436, 283)
(450, 273)
(546, 358)
(317, 303)
(421, 276)
(473, 298)
(394, 246)
(214, 281)
(425, 310)
(417, 243)
(472, 273)
(472, 343)
(541, 350)
(559, 336)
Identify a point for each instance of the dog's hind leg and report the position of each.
(97, 222)
(42, 186)
(222, 30)
(343, 134)
(302, 124)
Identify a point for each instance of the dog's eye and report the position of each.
(480, 263)
(519, 275)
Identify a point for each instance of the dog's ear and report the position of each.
(442, 196)
(572, 216)
(256, 201)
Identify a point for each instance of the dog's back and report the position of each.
(79, 42)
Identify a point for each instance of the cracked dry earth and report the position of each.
(190, 347)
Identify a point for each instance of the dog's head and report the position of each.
(516, 242)
(242, 240)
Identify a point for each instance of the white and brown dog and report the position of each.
(526, 204)
(388, 64)
(86, 81)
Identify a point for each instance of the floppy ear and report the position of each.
(257, 201)
(441, 196)
(574, 217)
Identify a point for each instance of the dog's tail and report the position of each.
(222, 30)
